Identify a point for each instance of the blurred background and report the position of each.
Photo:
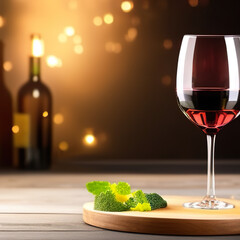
(111, 68)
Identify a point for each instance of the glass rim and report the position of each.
(211, 35)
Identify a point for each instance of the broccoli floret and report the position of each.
(118, 197)
(131, 203)
(107, 202)
(97, 187)
(123, 188)
(122, 191)
(155, 201)
(138, 202)
(139, 197)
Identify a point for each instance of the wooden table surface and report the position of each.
(49, 205)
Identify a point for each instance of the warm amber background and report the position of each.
(121, 88)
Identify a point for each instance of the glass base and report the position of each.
(210, 204)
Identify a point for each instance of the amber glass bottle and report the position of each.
(5, 120)
(34, 116)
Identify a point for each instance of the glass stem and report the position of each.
(210, 174)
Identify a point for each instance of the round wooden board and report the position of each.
(173, 220)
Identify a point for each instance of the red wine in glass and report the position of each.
(208, 84)
(210, 109)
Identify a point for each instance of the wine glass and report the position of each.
(208, 84)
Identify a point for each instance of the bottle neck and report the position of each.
(35, 69)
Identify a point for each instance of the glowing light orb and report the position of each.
(113, 47)
(73, 5)
(36, 93)
(193, 3)
(45, 114)
(15, 129)
(62, 38)
(89, 140)
(58, 118)
(131, 34)
(2, 21)
(63, 146)
(127, 6)
(7, 66)
(108, 18)
(78, 49)
(97, 21)
(69, 31)
(167, 44)
(53, 61)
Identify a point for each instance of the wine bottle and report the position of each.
(6, 119)
(34, 116)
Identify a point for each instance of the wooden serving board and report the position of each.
(173, 220)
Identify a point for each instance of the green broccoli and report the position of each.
(139, 196)
(138, 202)
(123, 188)
(106, 201)
(131, 203)
(122, 191)
(97, 187)
(118, 197)
(155, 201)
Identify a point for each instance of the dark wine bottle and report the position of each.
(34, 116)
(6, 120)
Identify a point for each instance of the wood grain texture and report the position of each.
(49, 205)
(43, 222)
(173, 220)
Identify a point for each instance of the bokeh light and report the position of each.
(62, 38)
(131, 34)
(58, 118)
(15, 129)
(73, 5)
(53, 61)
(63, 146)
(109, 46)
(69, 31)
(117, 47)
(2, 21)
(108, 18)
(45, 114)
(89, 140)
(193, 3)
(78, 49)
(113, 47)
(7, 66)
(35, 93)
(97, 21)
(127, 6)
(167, 44)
